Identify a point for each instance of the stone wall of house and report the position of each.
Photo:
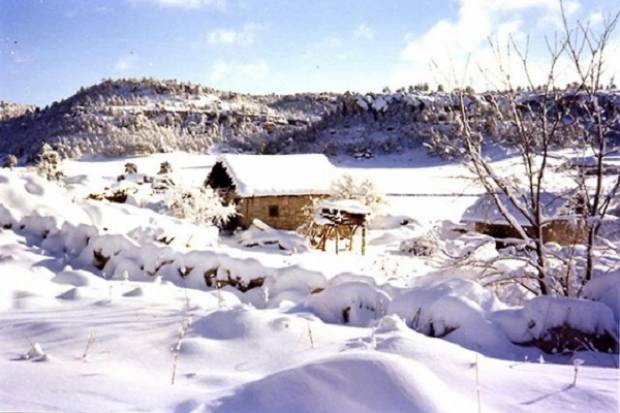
(561, 231)
(565, 232)
(282, 212)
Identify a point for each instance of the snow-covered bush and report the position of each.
(424, 246)
(10, 161)
(346, 187)
(605, 289)
(350, 302)
(439, 309)
(131, 168)
(558, 324)
(165, 168)
(202, 206)
(162, 183)
(443, 145)
(48, 163)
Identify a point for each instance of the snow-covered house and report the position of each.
(561, 223)
(272, 188)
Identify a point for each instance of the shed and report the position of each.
(275, 189)
(338, 219)
(558, 214)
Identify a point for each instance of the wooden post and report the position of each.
(336, 229)
(351, 236)
(322, 242)
(363, 239)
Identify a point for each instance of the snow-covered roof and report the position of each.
(485, 210)
(272, 175)
(351, 206)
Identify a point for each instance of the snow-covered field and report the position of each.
(97, 316)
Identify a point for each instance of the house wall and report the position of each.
(560, 231)
(565, 232)
(290, 210)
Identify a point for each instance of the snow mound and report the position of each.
(79, 293)
(389, 221)
(233, 324)
(350, 302)
(26, 194)
(457, 309)
(542, 314)
(359, 382)
(294, 284)
(77, 278)
(261, 234)
(605, 289)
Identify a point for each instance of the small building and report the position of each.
(339, 220)
(559, 213)
(276, 189)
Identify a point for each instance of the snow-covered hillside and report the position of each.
(114, 307)
(130, 117)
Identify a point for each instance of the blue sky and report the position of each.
(49, 48)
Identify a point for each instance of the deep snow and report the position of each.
(75, 337)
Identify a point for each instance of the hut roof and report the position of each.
(350, 206)
(273, 175)
(485, 210)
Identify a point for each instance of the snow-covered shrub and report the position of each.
(353, 302)
(444, 145)
(440, 309)
(10, 161)
(294, 284)
(605, 289)
(131, 168)
(48, 163)
(424, 246)
(162, 183)
(165, 168)
(203, 206)
(348, 188)
(42, 226)
(558, 324)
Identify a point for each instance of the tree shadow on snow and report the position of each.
(548, 395)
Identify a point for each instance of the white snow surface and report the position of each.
(97, 315)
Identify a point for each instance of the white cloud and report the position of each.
(363, 32)
(457, 45)
(596, 18)
(222, 70)
(125, 63)
(244, 36)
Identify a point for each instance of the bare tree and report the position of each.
(535, 122)
(586, 51)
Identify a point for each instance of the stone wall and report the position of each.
(286, 211)
(561, 231)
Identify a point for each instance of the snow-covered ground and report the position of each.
(127, 332)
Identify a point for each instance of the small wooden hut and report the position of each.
(338, 220)
(558, 211)
(275, 189)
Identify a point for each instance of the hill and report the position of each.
(139, 116)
